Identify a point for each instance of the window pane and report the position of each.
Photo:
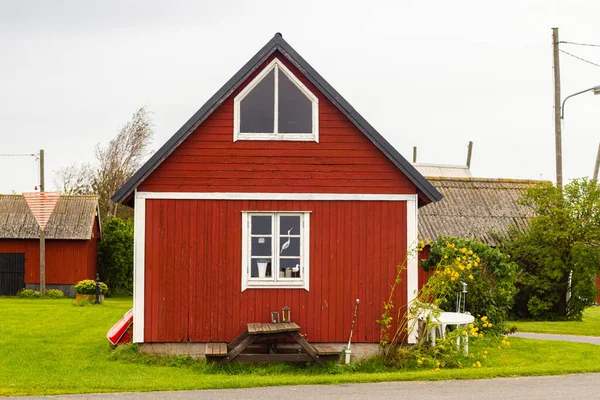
(289, 268)
(261, 246)
(261, 268)
(289, 225)
(295, 109)
(289, 247)
(257, 108)
(261, 225)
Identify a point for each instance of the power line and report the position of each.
(581, 44)
(579, 58)
(18, 155)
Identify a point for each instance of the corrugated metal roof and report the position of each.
(73, 218)
(449, 171)
(474, 207)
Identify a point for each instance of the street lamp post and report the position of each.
(596, 90)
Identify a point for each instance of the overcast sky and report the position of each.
(427, 73)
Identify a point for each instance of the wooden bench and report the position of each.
(325, 350)
(266, 337)
(215, 350)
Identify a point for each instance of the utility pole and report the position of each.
(597, 167)
(42, 186)
(42, 233)
(557, 120)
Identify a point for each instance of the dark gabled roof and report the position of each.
(429, 193)
(72, 219)
(476, 208)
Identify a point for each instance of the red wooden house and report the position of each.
(275, 193)
(72, 235)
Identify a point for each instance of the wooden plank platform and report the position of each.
(260, 329)
(215, 349)
(325, 350)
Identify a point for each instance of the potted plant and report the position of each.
(86, 290)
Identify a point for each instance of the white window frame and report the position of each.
(275, 281)
(279, 67)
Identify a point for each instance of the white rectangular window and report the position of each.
(275, 249)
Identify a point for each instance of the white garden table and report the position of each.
(449, 318)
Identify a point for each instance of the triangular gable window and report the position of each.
(276, 106)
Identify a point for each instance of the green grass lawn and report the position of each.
(589, 326)
(52, 347)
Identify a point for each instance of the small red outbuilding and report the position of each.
(72, 235)
(275, 193)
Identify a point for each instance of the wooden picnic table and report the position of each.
(268, 336)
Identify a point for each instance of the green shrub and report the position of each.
(88, 286)
(115, 256)
(29, 294)
(54, 294)
(489, 274)
(559, 254)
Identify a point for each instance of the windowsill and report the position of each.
(296, 137)
(275, 285)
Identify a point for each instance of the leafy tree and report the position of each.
(119, 160)
(116, 162)
(115, 256)
(488, 272)
(559, 255)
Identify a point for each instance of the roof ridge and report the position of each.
(277, 43)
(491, 180)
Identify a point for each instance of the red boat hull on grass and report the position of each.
(120, 333)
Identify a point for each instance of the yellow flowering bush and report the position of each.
(489, 274)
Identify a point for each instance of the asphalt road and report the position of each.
(579, 386)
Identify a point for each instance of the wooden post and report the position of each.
(557, 120)
(42, 262)
(469, 153)
(595, 177)
(42, 183)
(42, 233)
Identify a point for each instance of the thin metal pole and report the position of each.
(597, 165)
(557, 108)
(414, 154)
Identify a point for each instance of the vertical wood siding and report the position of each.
(424, 275)
(344, 160)
(193, 269)
(67, 261)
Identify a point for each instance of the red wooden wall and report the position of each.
(193, 269)
(424, 275)
(344, 160)
(67, 261)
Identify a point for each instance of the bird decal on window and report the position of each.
(286, 244)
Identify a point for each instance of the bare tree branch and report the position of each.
(74, 179)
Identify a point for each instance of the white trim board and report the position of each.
(139, 249)
(274, 196)
(412, 263)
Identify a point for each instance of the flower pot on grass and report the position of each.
(86, 290)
